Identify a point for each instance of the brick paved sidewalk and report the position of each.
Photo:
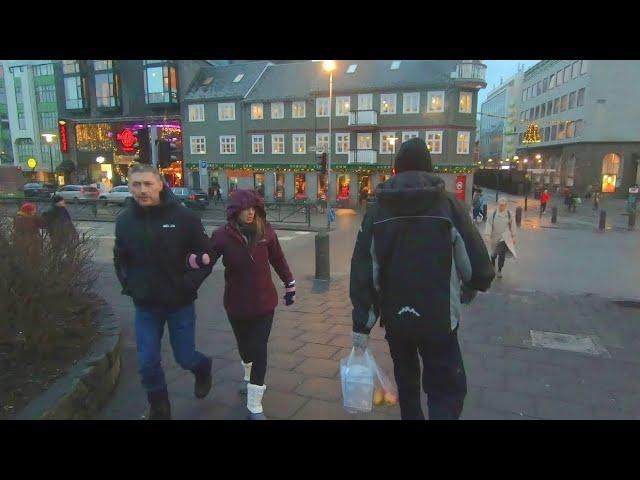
(508, 377)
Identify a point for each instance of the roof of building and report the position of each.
(301, 80)
(217, 82)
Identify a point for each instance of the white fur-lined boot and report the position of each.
(247, 377)
(254, 401)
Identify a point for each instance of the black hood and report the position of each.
(410, 192)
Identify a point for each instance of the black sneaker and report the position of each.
(159, 406)
(204, 379)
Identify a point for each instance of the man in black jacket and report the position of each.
(154, 235)
(59, 224)
(416, 259)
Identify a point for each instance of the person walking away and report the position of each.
(502, 240)
(59, 225)
(154, 235)
(248, 245)
(544, 200)
(417, 258)
(596, 200)
(477, 204)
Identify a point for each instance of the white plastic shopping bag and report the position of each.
(357, 376)
(385, 391)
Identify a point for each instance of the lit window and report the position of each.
(277, 110)
(388, 142)
(277, 144)
(342, 106)
(227, 144)
(465, 102)
(365, 101)
(435, 102)
(342, 143)
(365, 141)
(322, 107)
(434, 141)
(238, 78)
(257, 111)
(463, 143)
(257, 143)
(226, 112)
(411, 102)
(299, 143)
(198, 145)
(395, 65)
(352, 68)
(298, 109)
(388, 103)
(196, 113)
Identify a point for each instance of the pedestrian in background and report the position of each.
(544, 199)
(59, 225)
(249, 246)
(596, 200)
(26, 230)
(501, 236)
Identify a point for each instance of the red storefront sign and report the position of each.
(461, 182)
(127, 139)
(64, 139)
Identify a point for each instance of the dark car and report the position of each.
(191, 198)
(38, 190)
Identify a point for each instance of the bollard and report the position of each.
(554, 215)
(603, 220)
(484, 212)
(322, 256)
(632, 221)
(518, 216)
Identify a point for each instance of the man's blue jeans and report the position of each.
(149, 330)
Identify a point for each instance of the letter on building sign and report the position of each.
(64, 140)
(127, 139)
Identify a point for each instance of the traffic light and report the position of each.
(167, 153)
(323, 163)
(143, 145)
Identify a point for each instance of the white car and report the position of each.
(120, 195)
(78, 193)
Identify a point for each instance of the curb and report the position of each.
(83, 391)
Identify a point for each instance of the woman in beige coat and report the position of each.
(501, 235)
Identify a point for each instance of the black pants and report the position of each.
(500, 253)
(252, 335)
(443, 376)
(543, 208)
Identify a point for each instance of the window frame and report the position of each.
(467, 135)
(341, 143)
(408, 99)
(253, 106)
(390, 98)
(324, 102)
(198, 141)
(340, 102)
(223, 109)
(296, 138)
(322, 143)
(271, 108)
(255, 142)
(433, 141)
(408, 135)
(432, 94)
(304, 109)
(470, 96)
(196, 107)
(386, 136)
(228, 140)
(274, 137)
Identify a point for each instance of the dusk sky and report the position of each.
(500, 68)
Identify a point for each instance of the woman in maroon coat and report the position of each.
(248, 245)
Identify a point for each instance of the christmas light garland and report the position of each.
(311, 168)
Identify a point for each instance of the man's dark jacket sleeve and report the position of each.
(363, 292)
(199, 243)
(482, 272)
(120, 258)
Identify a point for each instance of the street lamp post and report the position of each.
(329, 66)
(49, 139)
(526, 182)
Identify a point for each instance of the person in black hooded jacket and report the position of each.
(154, 236)
(417, 258)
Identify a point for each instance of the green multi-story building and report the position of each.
(6, 152)
(262, 125)
(33, 116)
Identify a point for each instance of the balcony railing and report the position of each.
(470, 72)
(363, 118)
(363, 156)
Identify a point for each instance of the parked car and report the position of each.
(191, 198)
(38, 190)
(120, 195)
(78, 193)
